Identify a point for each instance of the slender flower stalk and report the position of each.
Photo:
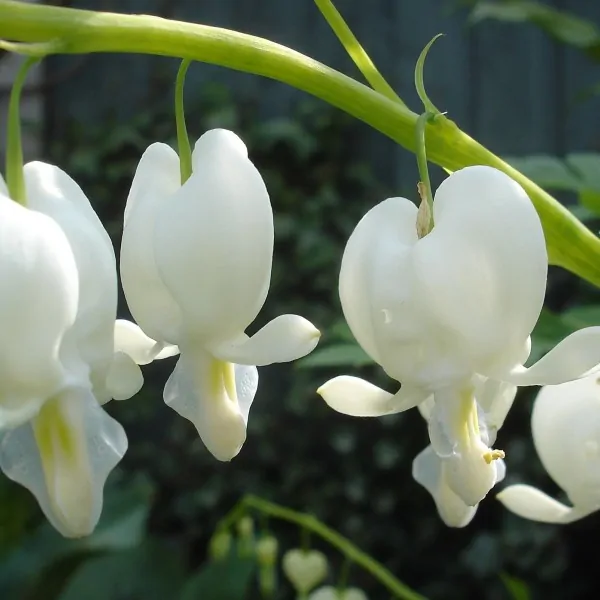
(183, 140)
(15, 182)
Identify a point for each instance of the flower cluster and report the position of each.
(446, 312)
(195, 267)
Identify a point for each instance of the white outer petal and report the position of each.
(530, 503)
(52, 192)
(214, 240)
(359, 398)
(481, 272)
(565, 424)
(373, 273)
(67, 481)
(155, 182)
(217, 406)
(573, 357)
(131, 340)
(38, 305)
(284, 339)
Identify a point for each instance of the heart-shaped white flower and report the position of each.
(196, 267)
(459, 302)
(304, 569)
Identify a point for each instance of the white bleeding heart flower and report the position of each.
(565, 424)
(305, 569)
(328, 592)
(494, 400)
(58, 309)
(195, 267)
(459, 302)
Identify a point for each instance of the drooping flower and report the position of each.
(196, 266)
(459, 302)
(58, 363)
(565, 424)
(305, 569)
(494, 400)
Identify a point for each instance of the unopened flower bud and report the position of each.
(219, 545)
(266, 550)
(245, 527)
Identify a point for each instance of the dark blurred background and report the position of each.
(523, 82)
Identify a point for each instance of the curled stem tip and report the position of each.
(419, 82)
(183, 141)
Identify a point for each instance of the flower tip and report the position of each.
(222, 140)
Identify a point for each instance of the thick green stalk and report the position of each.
(570, 244)
(15, 182)
(183, 140)
(356, 52)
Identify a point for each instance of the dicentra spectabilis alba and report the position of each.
(305, 569)
(195, 267)
(460, 301)
(565, 424)
(494, 400)
(58, 362)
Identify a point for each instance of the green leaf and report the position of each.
(587, 167)
(561, 25)
(547, 171)
(337, 355)
(517, 588)
(150, 572)
(582, 316)
(223, 580)
(578, 172)
(32, 565)
(550, 329)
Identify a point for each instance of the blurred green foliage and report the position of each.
(562, 25)
(163, 505)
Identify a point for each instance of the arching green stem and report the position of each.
(183, 141)
(14, 147)
(570, 244)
